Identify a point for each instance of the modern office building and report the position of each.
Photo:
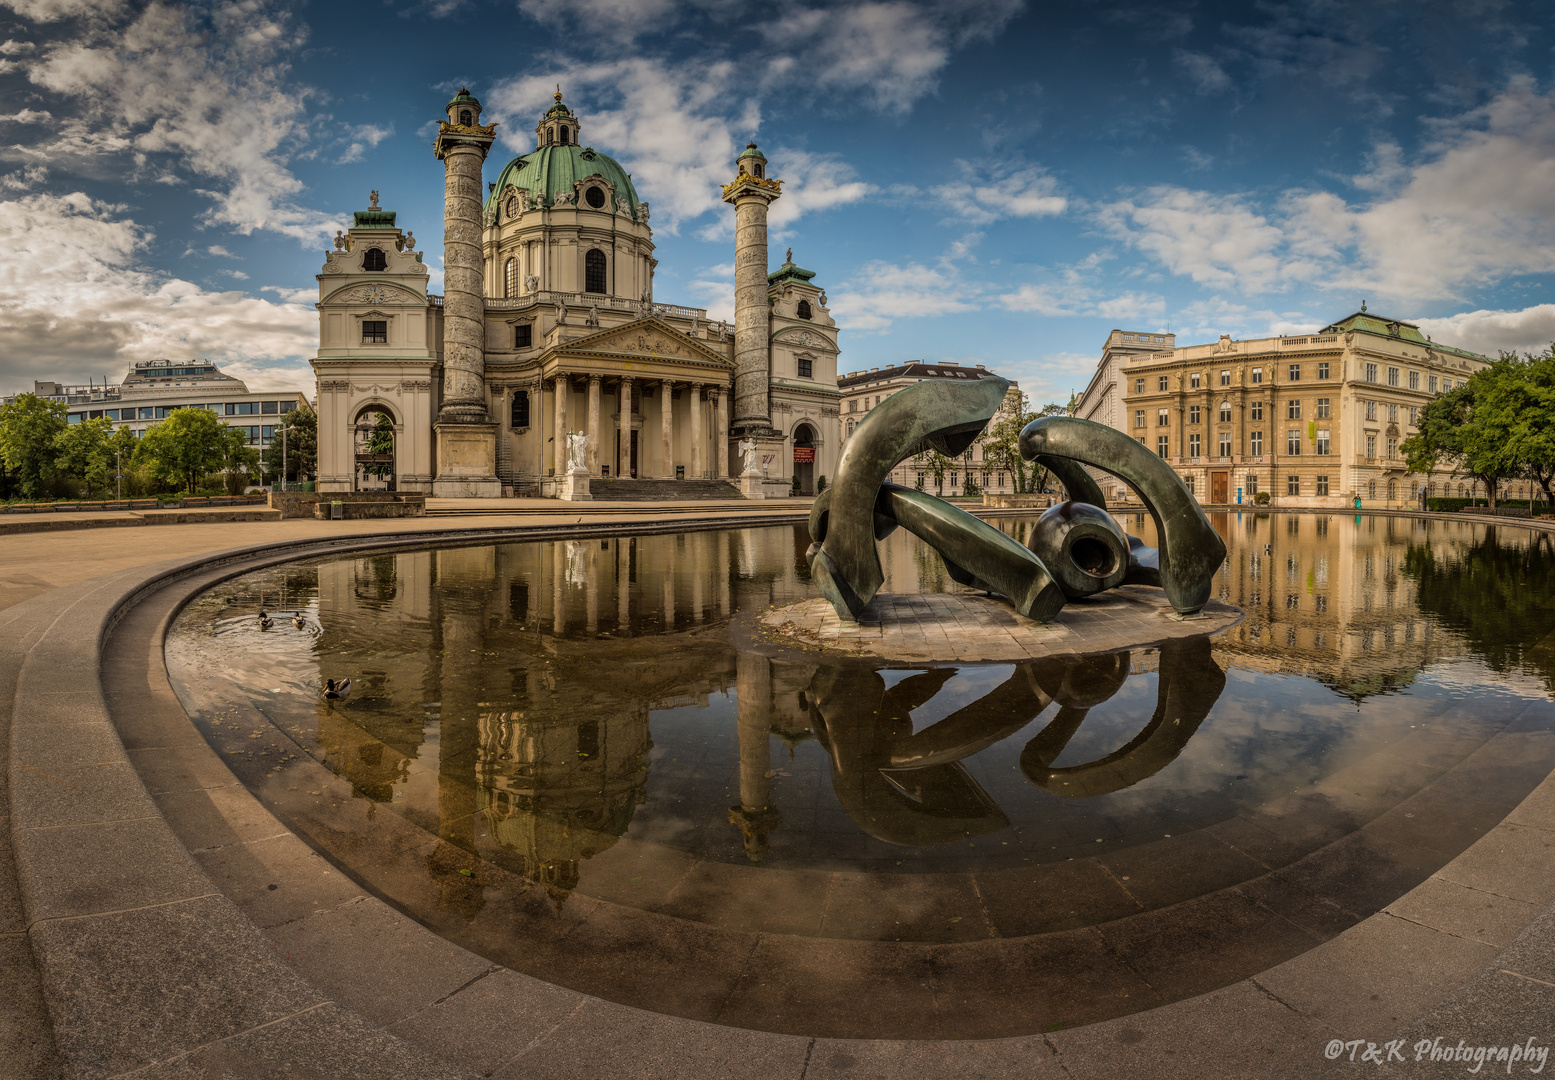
(862, 391)
(1314, 420)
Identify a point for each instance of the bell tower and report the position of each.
(466, 435)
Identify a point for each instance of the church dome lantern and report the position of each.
(752, 162)
(559, 126)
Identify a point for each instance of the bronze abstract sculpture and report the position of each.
(1076, 550)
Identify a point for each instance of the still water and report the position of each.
(535, 707)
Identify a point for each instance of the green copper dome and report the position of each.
(462, 97)
(751, 152)
(550, 170)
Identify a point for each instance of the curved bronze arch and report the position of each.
(1191, 551)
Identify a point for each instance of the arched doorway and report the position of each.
(804, 458)
(375, 437)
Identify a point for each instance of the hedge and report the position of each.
(1453, 505)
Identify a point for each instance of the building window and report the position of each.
(1225, 412)
(1225, 444)
(1001, 479)
(1160, 384)
(1252, 489)
(853, 405)
(523, 335)
(1392, 412)
(1225, 378)
(1392, 376)
(1188, 483)
(519, 417)
(1257, 410)
(1371, 410)
(850, 429)
(1257, 375)
(1414, 380)
(1371, 446)
(595, 197)
(1392, 489)
(1162, 418)
(1162, 443)
(594, 271)
(1322, 370)
(1293, 485)
(1414, 416)
(758, 169)
(1392, 448)
(1293, 409)
(1193, 380)
(1193, 414)
(1430, 384)
(805, 367)
(1371, 373)
(375, 331)
(1322, 485)
(1322, 408)
(1293, 442)
(1294, 374)
(264, 407)
(510, 278)
(952, 479)
(804, 309)
(1193, 445)
(1139, 386)
(1322, 442)
(374, 259)
(1255, 443)
(562, 136)
(1139, 418)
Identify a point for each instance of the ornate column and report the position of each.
(720, 435)
(625, 467)
(695, 471)
(750, 193)
(466, 435)
(563, 388)
(667, 426)
(594, 431)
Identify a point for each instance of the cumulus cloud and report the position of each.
(362, 137)
(1207, 76)
(77, 302)
(1066, 299)
(54, 10)
(236, 120)
(714, 287)
(1531, 329)
(883, 292)
(983, 199)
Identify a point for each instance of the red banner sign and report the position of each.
(803, 454)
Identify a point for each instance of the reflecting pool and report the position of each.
(552, 752)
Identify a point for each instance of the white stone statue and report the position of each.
(561, 310)
(723, 330)
(372, 201)
(563, 198)
(696, 326)
(577, 452)
(340, 240)
(622, 207)
(593, 316)
(531, 283)
(748, 455)
(642, 212)
(647, 294)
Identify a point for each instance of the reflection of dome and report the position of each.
(556, 169)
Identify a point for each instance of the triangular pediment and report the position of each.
(646, 338)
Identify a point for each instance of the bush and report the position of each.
(1261, 499)
(820, 485)
(796, 482)
(1453, 505)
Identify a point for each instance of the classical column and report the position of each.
(467, 437)
(720, 435)
(667, 426)
(594, 430)
(537, 425)
(563, 388)
(695, 471)
(750, 192)
(625, 468)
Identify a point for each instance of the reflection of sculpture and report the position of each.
(911, 788)
(1076, 549)
(577, 452)
(748, 456)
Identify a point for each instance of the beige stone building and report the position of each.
(862, 391)
(549, 325)
(1314, 420)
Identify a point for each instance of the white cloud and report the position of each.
(714, 287)
(363, 137)
(982, 200)
(1217, 240)
(1061, 300)
(884, 291)
(55, 10)
(1207, 76)
(74, 300)
(236, 119)
(1531, 329)
(218, 250)
(12, 47)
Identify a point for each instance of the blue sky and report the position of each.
(989, 181)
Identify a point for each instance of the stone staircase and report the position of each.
(662, 490)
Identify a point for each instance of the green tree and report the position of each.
(380, 440)
(83, 453)
(239, 460)
(29, 426)
(1001, 449)
(1454, 430)
(186, 446)
(122, 449)
(1517, 406)
(296, 445)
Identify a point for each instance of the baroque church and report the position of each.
(549, 327)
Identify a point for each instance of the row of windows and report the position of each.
(162, 412)
(1393, 376)
(1321, 407)
(1255, 375)
(1293, 442)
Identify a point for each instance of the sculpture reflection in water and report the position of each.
(1075, 551)
(912, 788)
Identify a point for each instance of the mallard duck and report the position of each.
(298, 621)
(333, 689)
(265, 621)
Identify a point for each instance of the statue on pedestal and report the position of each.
(577, 452)
(748, 456)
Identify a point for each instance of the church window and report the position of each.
(758, 169)
(804, 309)
(510, 277)
(375, 331)
(561, 136)
(594, 197)
(806, 367)
(594, 271)
(520, 413)
(374, 259)
(466, 118)
(523, 335)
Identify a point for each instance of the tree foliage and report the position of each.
(1001, 449)
(296, 445)
(186, 446)
(83, 452)
(29, 428)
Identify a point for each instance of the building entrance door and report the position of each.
(1219, 487)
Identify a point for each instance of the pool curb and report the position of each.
(152, 962)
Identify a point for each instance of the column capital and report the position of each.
(595, 377)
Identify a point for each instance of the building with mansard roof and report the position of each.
(549, 326)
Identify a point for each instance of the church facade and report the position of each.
(549, 326)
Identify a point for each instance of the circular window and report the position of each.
(594, 197)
